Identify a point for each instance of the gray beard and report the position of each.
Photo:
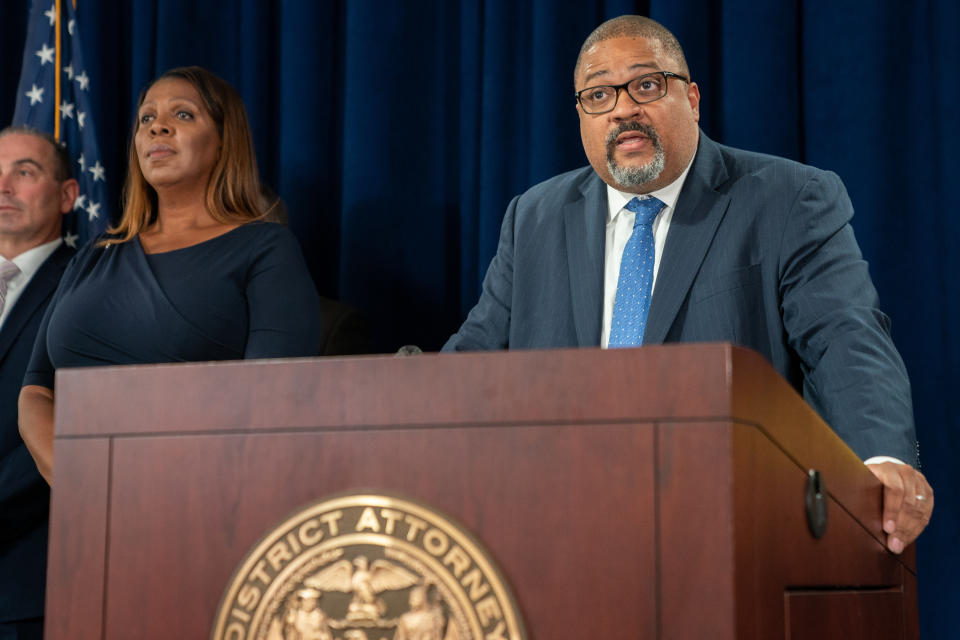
(635, 176)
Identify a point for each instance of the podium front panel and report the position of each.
(652, 492)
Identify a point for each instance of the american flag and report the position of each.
(54, 96)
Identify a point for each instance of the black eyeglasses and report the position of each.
(642, 89)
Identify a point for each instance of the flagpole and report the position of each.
(56, 77)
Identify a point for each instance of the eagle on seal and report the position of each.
(365, 581)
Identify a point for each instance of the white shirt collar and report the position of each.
(617, 200)
(30, 260)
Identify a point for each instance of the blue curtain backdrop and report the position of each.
(398, 131)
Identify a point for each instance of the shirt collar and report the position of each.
(30, 260)
(617, 200)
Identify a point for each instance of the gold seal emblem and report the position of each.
(367, 567)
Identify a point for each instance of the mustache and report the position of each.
(631, 125)
(10, 202)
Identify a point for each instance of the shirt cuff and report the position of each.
(879, 459)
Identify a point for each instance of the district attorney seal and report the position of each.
(367, 567)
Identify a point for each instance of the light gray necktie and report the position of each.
(8, 271)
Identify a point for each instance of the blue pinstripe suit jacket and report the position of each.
(760, 253)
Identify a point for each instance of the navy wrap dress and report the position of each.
(244, 294)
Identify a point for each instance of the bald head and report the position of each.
(636, 27)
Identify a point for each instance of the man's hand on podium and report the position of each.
(907, 502)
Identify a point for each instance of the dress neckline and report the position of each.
(191, 246)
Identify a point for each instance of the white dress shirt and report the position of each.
(28, 262)
(619, 229)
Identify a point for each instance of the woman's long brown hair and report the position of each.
(233, 192)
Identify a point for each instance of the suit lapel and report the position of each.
(700, 208)
(584, 226)
(39, 289)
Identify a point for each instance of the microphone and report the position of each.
(408, 350)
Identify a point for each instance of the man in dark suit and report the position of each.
(671, 237)
(35, 191)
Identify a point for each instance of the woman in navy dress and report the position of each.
(191, 272)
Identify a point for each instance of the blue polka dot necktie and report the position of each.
(632, 303)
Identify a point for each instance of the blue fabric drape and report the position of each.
(398, 131)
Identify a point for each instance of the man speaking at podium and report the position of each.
(671, 237)
(35, 191)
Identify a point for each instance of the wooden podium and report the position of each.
(638, 493)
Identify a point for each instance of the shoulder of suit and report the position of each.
(59, 258)
(64, 252)
(741, 163)
(563, 187)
